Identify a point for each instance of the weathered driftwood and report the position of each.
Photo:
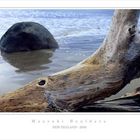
(128, 103)
(104, 73)
(30, 98)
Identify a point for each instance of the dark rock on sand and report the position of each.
(27, 36)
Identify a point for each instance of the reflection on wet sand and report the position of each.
(29, 61)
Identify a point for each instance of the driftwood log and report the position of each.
(127, 103)
(101, 75)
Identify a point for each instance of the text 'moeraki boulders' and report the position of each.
(27, 36)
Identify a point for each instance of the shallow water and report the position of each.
(78, 32)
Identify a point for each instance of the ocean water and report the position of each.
(78, 32)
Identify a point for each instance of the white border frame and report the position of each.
(51, 4)
(105, 126)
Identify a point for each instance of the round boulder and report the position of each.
(27, 36)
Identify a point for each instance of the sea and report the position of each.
(79, 33)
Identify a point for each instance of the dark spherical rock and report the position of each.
(27, 36)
